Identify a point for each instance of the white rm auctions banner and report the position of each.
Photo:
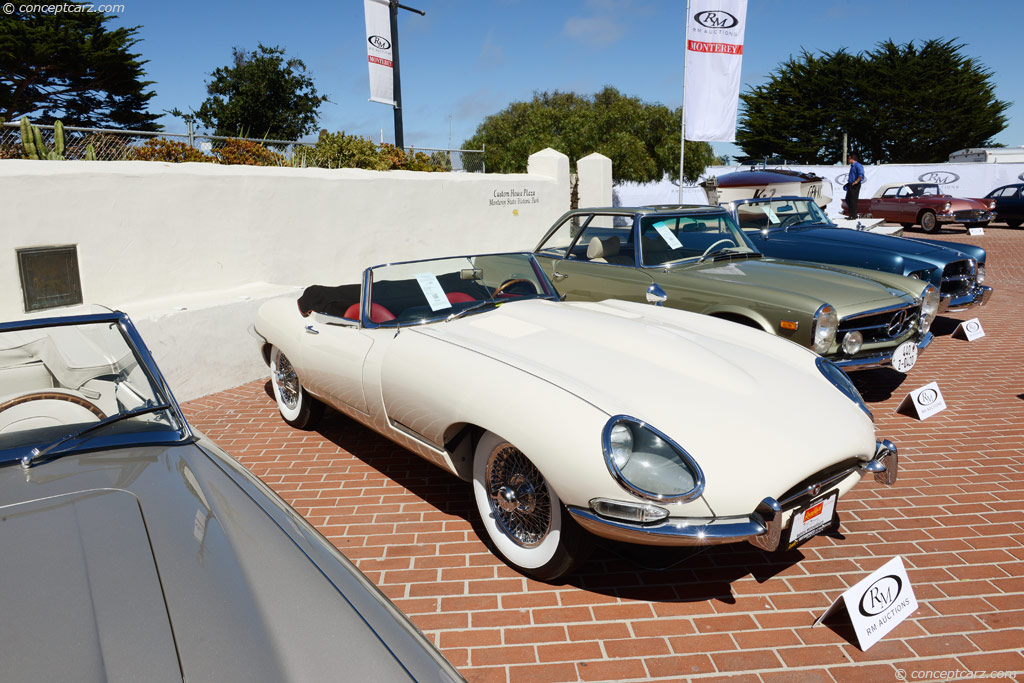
(378, 50)
(714, 53)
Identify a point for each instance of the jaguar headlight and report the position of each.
(649, 464)
(834, 374)
(929, 307)
(826, 322)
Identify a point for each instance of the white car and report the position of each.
(629, 421)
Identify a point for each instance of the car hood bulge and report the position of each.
(844, 290)
(88, 602)
(132, 561)
(733, 397)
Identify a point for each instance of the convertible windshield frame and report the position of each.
(178, 432)
(480, 301)
(818, 217)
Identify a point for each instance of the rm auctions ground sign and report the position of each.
(877, 604)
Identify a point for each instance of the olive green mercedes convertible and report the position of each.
(696, 258)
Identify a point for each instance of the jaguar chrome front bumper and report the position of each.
(763, 527)
(882, 359)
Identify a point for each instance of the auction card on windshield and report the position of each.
(432, 289)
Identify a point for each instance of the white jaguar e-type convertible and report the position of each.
(633, 422)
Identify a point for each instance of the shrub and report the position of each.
(159, 149)
(337, 150)
(248, 153)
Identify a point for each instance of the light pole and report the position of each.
(394, 6)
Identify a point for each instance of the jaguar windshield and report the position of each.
(445, 289)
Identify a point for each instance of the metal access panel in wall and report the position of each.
(49, 277)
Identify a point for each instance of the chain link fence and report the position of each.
(124, 145)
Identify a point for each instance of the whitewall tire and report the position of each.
(298, 408)
(522, 514)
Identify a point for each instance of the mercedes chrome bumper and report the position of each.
(976, 296)
(882, 359)
(763, 527)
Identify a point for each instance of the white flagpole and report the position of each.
(682, 109)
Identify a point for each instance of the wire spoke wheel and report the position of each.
(297, 407)
(518, 496)
(287, 382)
(524, 519)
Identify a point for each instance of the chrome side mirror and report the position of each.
(656, 295)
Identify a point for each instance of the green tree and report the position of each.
(262, 94)
(897, 104)
(71, 66)
(641, 139)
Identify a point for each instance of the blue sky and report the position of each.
(466, 60)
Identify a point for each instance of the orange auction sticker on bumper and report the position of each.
(813, 512)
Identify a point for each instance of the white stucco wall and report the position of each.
(190, 250)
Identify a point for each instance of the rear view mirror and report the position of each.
(471, 274)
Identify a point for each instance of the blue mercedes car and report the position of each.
(794, 228)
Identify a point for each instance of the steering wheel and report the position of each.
(711, 248)
(513, 281)
(789, 220)
(54, 396)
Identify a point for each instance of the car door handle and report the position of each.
(558, 277)
(311, 330)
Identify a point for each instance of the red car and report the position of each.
(924, 204)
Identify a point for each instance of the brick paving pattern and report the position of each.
(956, 516)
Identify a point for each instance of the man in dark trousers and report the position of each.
(853, 183)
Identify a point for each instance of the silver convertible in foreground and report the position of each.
(133, 549)
(625, 420)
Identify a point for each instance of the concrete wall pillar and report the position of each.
(595, 180)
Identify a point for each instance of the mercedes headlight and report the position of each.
(981, 273)
(929, 307)
(834, 374)
(823, 331)
(649, 464)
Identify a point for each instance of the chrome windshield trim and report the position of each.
(182, 429)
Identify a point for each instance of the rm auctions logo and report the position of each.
(843, 177)
(939, 177)
(715, 19)
(927, 397)
(880, 595)
(380, 42)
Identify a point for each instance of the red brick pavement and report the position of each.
(956, 516)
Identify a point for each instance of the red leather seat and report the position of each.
(378, 314)
(459, 298)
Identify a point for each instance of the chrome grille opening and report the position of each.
(958, 278)
(882, 326)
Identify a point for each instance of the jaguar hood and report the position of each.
(733, 397)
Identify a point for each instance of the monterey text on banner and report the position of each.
(714, 53)
(378, 50)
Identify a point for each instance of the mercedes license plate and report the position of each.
(905, 356)
(812, 519)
